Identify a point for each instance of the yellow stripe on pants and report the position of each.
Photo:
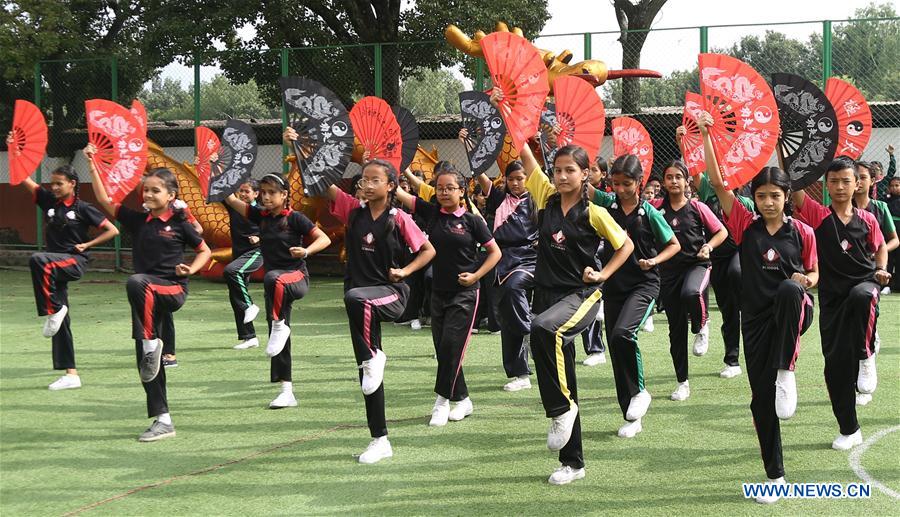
(560, 359)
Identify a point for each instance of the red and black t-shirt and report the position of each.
(694, 224)
(846, 249)
(374, 246)
(456, 237)
(68, 221)
(158, 242)
(768, 259)
(278, 233)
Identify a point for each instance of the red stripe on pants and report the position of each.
(149, 302)
(870, 324)
(48, 270)
(278, 297)
(367, 316)
(462, 354)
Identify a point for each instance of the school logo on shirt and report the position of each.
(771, 260)
(674, 222)
(70, 215)
(167, 232)
(368, 242)
(458, 229)
(559, 240)
(846, 245)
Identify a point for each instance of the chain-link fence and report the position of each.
(427, 76)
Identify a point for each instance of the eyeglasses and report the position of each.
(446, 190)
(363, 183)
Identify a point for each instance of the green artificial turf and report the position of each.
(76, 450)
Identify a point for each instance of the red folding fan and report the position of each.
(376, 127)
(631, 137)
(121, 146)
(692, 142)
(853, 116)
(29, 141)
(137, 109)
(745, 117)
(207, 144)
(580, 114)
(517, 69)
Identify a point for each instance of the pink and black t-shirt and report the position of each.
(767, 259)
(846, 249)
(693, 224)
(374, 246)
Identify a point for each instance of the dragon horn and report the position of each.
(632, 72)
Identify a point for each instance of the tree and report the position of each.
(431, 92)
(775, 52)
(867, 52)
(356, 24)
(635, 18)
(667, 91)
(165, 98)
(219, 99)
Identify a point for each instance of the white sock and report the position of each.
(150, 345)
(287, 387)
(165, 418)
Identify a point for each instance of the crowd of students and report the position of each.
(592, 252)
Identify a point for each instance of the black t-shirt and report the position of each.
(846, 249)
(67, 221)
(649, 232)
(767, 260)
(456, 237)
(374, 246)
(568, 242)
(278, 233)
(693, 224)
(515, 229)
(241, 231)
(158, 242)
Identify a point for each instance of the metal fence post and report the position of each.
(479, 74)
(196, 96)
(378, 70)
(285, 71)
(826, 73)
(587, 45)
(704, 39)
(114, 96)
(39, 215)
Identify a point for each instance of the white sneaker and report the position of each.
(648, 325)
(730, 372)
(565, 475)
(283, 400)
(785, 394)
(600, 314)
(54, 321)
(518, 384)
(378, 449)
(247, 343)
(886, 291)
(770, 497)
(863, 399)
(630, 429)
(638, 406)
(250, 313)
(701, 341)
(415, 324)
(373, 372)
(847, 441)
(877, 343)
(440, 413)
(595, 359)
(867, 379)
(561, 429)
(66, 382)
(277, 338)
(682, 391)
(461, 410)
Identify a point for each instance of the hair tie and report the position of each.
(277, 178)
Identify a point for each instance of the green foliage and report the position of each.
(431, 92)
(220, 99)
(868, 53)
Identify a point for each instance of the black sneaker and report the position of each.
(157, 431)
(150, 363)
(169, 363)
